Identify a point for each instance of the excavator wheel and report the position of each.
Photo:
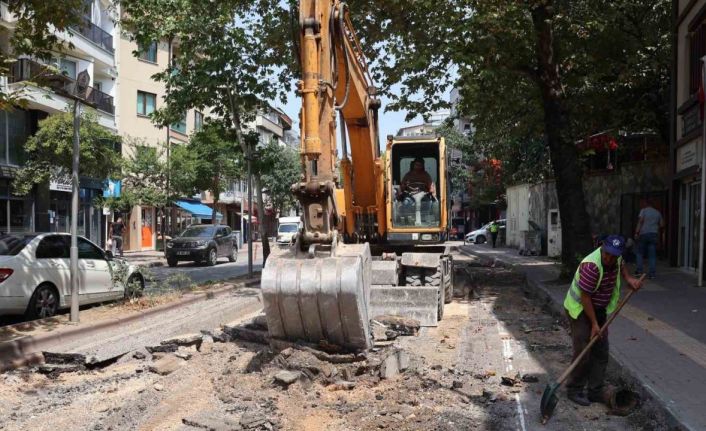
(414, 276)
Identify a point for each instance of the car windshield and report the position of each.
(288, 228)
(11, 245)
(199, 232)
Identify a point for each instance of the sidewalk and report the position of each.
(660, 335)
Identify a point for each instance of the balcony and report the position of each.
(95, 34)
(25, 70)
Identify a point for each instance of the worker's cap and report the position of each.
(614, 244)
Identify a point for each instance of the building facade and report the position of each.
(92, 49)
(687, 144)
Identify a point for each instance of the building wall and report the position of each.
(612, 200)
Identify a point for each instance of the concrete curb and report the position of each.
(619, 366)
(28, 350)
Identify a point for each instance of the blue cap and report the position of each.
(614, 244)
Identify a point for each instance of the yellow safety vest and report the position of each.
(572, 302)
(493, 228)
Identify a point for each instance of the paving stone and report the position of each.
(184, 340)
(167, 348)
(402, 325)
(166, 365)
(60, 368)
(395, 363)
(213, 421)
(252, 420)
(287, 377)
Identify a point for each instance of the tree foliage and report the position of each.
(212, 159)
(49, 151)
(231, 58)
(280, 167)
(35, 34)
(534, 73)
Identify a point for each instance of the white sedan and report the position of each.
(35, 275)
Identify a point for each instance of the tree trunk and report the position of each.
(575, 227)
(214, 211)
(261, 214)
(237, 124)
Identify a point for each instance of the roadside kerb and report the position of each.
(28, 350)
(618, 365)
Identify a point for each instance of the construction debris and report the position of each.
(402, 325)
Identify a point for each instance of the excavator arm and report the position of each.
(335, 79)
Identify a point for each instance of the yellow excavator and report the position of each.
(374, 226)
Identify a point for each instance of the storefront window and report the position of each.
(14, 131)
(21, 212)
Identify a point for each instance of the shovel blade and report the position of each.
(549, 401)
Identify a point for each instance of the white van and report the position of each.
(288, 229)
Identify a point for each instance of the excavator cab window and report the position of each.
(415, 185)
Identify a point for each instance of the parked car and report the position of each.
(288, 229)
(35, 274)
(479, 236)
(202, 243)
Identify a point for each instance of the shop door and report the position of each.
(689, 225)
(147, 227)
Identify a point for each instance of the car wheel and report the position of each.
(172, 262)
(44, 302)
(480, 239)
(233, 255)
(135, 286)
(212, 257)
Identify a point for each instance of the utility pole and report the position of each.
(74, 213)
(702, 214)
(249, 158)
(166, 225)
(80, 92)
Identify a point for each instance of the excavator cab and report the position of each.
(417, 188)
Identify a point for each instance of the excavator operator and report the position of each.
(417, 179)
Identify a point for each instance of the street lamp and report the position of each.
(79, 93)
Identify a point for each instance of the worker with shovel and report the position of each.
(593, 295)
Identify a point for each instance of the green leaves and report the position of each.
(52, 148)
(280, 167)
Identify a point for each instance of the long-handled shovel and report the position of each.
(549, 398)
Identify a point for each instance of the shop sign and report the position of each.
(691, 119)
(112, 189)
(687, 156)
(60, 182)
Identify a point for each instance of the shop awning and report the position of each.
(198, 209)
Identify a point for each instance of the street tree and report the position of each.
(535, 73)
(36, 34)
(231, 58)
(48, 153)
(280, 167)
(214, 158)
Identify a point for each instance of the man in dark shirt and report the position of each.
(116, 233)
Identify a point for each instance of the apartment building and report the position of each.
(139, 96)
(687, 144)
(270, 123)
(47, 207)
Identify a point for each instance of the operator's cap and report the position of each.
(614, 244)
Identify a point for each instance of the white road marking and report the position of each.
(508, 354)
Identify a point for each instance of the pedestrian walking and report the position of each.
(650, 225)
(116, 233)
(593, 294)
(494, 231)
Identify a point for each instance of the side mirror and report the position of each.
(108, 255)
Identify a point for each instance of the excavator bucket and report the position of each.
(319, 299)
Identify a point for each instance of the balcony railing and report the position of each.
(95, 34)
(29, 70)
